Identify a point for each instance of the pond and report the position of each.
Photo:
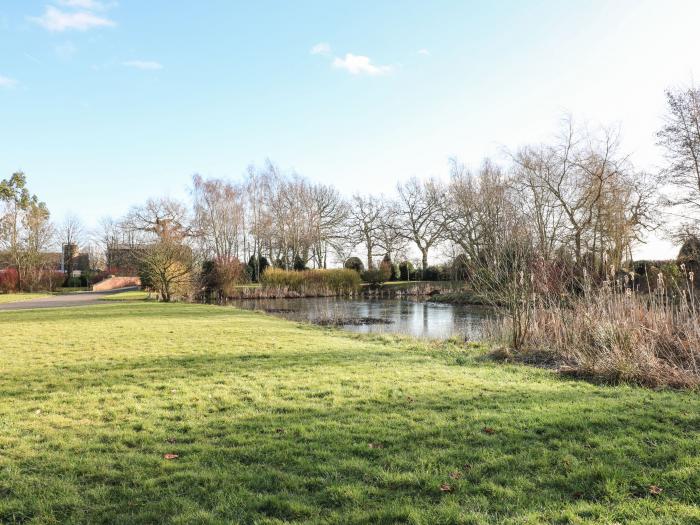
(403, 316)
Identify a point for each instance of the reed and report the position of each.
(310, 283)
(613, 332)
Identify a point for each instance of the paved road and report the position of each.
(59, 301)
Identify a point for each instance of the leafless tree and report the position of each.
(680, 137)
(160, 218)
(479, 210)
(581, 195)
(329, 213)
(168, 267)
(219, 217)
(421, 220)
(365, 220)
(70, 234)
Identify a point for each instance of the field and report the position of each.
(155, 413)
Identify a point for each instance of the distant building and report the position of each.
(69, 259)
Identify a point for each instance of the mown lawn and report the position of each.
(132, 295)
(19, 297)
(276, 422)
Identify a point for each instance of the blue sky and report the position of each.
(104, 103)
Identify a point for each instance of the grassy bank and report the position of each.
(273, 422)
(131, 295)
(460, 297)
(19, 297)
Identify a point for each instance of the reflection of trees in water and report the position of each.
(418, 318)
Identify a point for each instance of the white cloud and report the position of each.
(7, 82)
(322, 48)
(358, 65)
(424, 52)
(147, 65)
(56, 20)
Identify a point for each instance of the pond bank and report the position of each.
(422, 289)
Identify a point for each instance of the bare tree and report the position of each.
(366, 216)
(583, 196)
(219, 217)
(541, 209)
(420, 209)
(680, 137)
(479, 209)
(70, 234)
(329, 213)
(168, 267)
(389, 235)
(161, 218)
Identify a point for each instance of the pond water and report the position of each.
(403, 316)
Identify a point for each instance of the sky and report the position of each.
(104, 103)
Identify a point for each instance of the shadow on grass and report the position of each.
(314, 449)
(342, 429)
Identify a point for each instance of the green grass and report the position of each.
(72, 289)
(19, 297)
(133, 295)
(277, 422)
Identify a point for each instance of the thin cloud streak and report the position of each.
(322, 48)
(7, 82)
(145, 65)
(92, 5)
(57, 21)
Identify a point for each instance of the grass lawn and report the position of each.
(272, 422)
(132, 295)
(19, 297)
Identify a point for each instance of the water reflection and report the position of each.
(411, 317)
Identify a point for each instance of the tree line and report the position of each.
(576, 198)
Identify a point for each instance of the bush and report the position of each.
(311, 282)
(9, 281)
(432, 273)
(40, 280)
(459, 270)
(74, 282)
(169, 269)
(406, 272)
(255, 270)
(299, 264)
(375, 277)
(388, 269)
(355, 263)
(222, 277)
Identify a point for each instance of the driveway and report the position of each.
(61, 301)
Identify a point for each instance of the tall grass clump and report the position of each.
(310, 283)
(609, 330)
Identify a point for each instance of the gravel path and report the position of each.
(61, 301)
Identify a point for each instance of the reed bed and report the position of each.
(612, 332)
(309, 283)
